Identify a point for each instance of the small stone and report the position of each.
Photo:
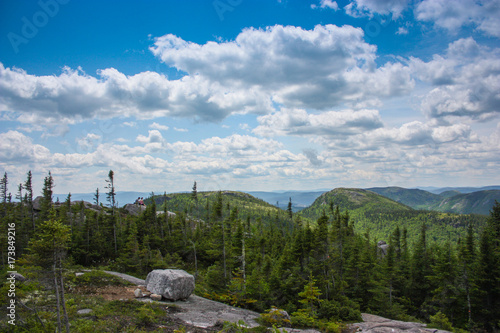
(155, 297)
(138, 293)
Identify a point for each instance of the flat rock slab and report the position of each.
(376, 324)
(129, 278)
(203, 313)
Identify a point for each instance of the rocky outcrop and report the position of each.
(134, 209)
(172, 284)
(169, 213)
(377, 324)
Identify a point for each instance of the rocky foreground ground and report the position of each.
(204, 313)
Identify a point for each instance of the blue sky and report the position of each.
(250, 95)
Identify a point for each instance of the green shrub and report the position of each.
(303, 319)
(439, 320)
(145, 315)
(336, 311)
(274, 317)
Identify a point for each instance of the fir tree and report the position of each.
(96, 197)
(28, 186)
(46, 202)
(3, 192)
(194, 193)
(111, 199)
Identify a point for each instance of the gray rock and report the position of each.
(37, 203)
(173, 284)
(377, 324)
(134, 209)
(281, 317)
(138, 293)
(84, 311)
(129, 278)
(155, 297)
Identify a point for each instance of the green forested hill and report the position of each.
(379, 216)
(351, 199)
(247, 206)
(479, 202)
(415, 198)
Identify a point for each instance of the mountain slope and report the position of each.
(465, 189)
(415, 198)
(352, 199)
(379, 216)
(479, 202)
(235, 205)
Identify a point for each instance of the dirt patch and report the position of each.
(110, 293)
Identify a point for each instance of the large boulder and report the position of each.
(172, 284)
(134, 209)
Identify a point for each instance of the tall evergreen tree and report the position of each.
(3, 193)
(49, 249)
(420, 271)
(488, 273)
(28, 186)
(467, 252)
(96, 197)
(289, 208)
(46, 202)
(194, 193)
(111, 199)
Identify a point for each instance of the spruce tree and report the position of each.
(111, 199)
(28, 186)
(194, 193)
(3, 193)
(488, 273)
(289, 208)
(46, 202)
(96, 197)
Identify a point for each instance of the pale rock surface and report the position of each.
(138, 293)
(376, 324)
(172, 284)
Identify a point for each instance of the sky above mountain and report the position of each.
(250, 95)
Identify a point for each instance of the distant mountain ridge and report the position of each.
(415, 198)
(451, 200)
(460, 200)
(300, 199)
(466, 189)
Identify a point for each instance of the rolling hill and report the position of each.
(379, 216)
(352, 199)
(479, 202)
(449, 201)
(415, 198)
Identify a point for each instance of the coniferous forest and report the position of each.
(322, 265)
